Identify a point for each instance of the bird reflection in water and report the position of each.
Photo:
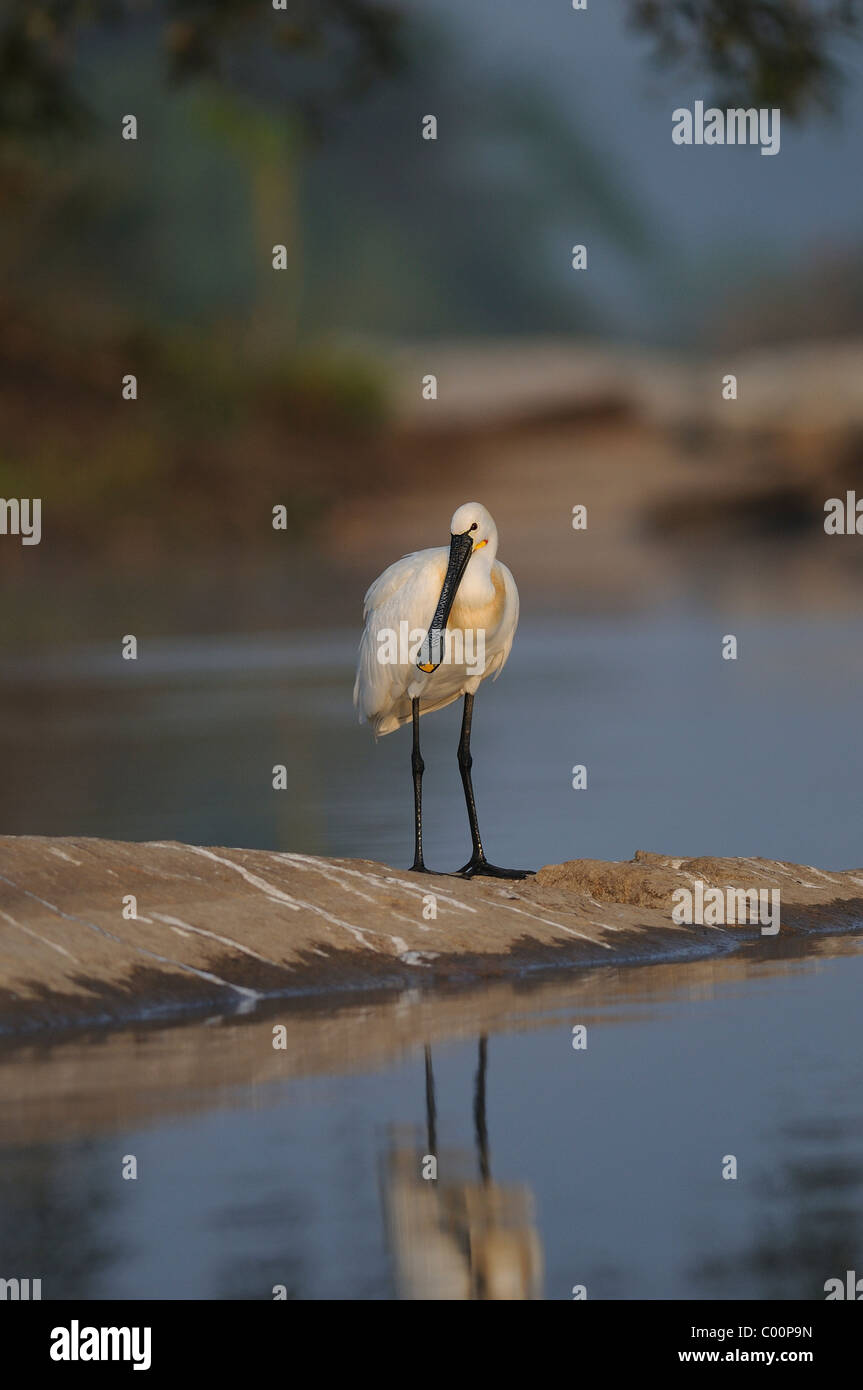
(457, 1236)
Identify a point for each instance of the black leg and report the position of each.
(465, 763)
(477, 864)
(417, 768)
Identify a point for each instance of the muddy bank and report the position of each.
(224, 928)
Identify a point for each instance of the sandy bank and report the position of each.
(223, 927)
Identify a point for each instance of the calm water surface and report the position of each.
(686, 753)
(556, 1168)
(600, 1167)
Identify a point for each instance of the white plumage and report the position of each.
(485, 610)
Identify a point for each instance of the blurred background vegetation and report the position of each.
(301, 125)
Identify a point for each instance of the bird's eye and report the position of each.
(473, 528)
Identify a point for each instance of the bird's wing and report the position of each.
(406, 592)
(400, 575)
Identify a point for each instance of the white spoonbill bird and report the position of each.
(437, 622)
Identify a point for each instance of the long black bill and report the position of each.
(431, 652)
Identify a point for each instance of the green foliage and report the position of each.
(312, 55)
(759, 52)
